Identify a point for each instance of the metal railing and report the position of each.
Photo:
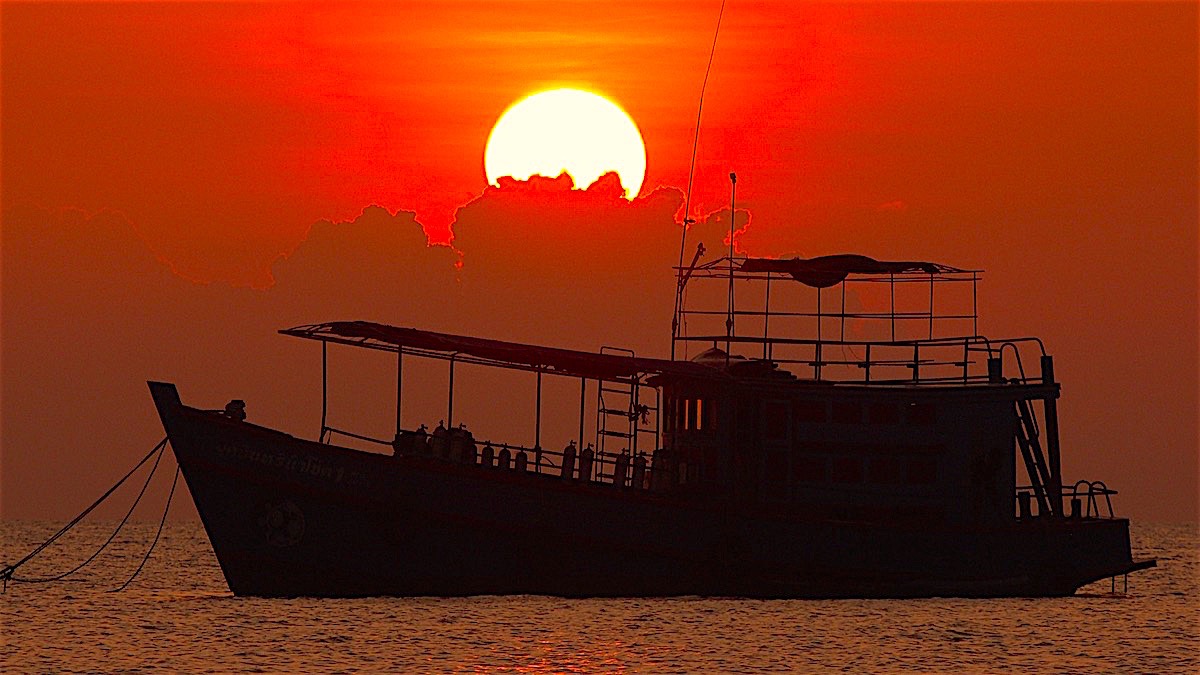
(460, 447)
(951, 360)
(1084, 497)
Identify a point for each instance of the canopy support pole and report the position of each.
(930, 306)
(537, 429)
(817, 367)
(1050, 408)
(767, 319)
(892, 316)
(450, 404)
(399, 389)
(582, 395)
(975, 303)
(324, 388)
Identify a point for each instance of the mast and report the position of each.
(732, 228)
(680, 280)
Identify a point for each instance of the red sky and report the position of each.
(180, 180)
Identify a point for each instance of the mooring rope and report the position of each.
(158, 534)
(120, 526)
(6, 574)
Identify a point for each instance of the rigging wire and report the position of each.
(158, 534)
(687, 201)
(120, 526)
(6, 573)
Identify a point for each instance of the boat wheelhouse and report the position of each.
(843, 430)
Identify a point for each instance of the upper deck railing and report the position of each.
(848, 319)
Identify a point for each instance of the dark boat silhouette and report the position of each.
(894, 468)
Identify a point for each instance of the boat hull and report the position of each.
(289, 517)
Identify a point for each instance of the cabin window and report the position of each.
(811, 411)
(693, 414)
(809, 469)
(921, 414)
(775, 420)
(885, 471)
(847, 470)
(847, 412)
(883, 413)
(921, 471)
(710, 414)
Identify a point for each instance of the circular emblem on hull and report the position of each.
(282, 523)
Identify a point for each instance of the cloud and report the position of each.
(90, 313)
(895, 205)
(719, 221)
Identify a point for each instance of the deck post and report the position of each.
(817, 367)
(767, 319)
(843, 312)
(892, 315)
(995, 366)
(867, 365)
(537, 429)
(450, 403)
(324, 387)
(930, 306)
(399, 389)
(1052, 454)
(582, 397)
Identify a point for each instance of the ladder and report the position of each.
(1028, 438)
(620, 415)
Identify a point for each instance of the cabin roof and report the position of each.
(497, 353)
(830, 270)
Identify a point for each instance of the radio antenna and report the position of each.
(687, 201)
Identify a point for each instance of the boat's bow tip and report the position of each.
(165, 395)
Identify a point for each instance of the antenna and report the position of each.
(732, 227)
(687, 201)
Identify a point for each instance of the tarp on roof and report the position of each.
(498, 352)
(830, 270)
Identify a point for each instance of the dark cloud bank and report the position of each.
(90, 314)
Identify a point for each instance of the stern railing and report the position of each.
(1088, 500)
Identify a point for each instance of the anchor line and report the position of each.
(166, 509)
(6, 574)
(120, 526)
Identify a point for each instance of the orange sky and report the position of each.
(147, 147)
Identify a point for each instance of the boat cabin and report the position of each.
(862, 391)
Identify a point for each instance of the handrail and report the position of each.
(929, 360)
(1089, 496)
(540, 461)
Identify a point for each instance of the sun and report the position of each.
(581, 133)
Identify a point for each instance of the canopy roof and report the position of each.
(495, 352)
(830, 270)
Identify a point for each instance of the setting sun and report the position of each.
(581, 133)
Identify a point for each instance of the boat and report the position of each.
(810, 448)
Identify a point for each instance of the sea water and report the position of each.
(178, 615)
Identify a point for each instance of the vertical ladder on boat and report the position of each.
(620, 416)
(1029, 439)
